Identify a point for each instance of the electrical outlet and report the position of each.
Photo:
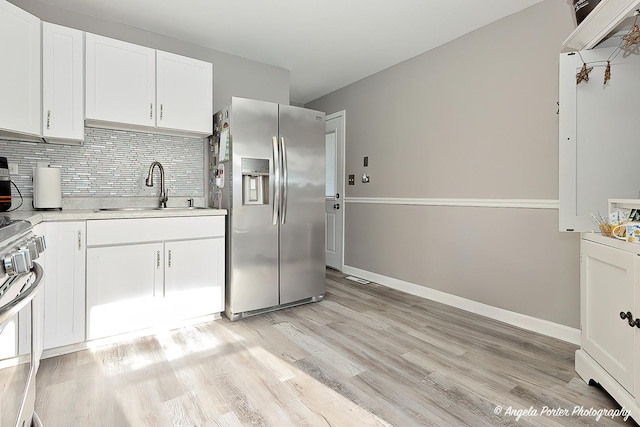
(352, 180)
(13, 169)
(366, 161)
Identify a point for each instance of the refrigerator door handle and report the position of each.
(276, 186)
(285, 180)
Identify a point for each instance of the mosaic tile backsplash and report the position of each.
(113, 163)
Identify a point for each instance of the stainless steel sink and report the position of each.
(179, 208)
(146, 209)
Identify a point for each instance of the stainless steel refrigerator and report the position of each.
(268, 170)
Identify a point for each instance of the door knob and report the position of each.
(336, 206)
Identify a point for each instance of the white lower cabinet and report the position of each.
(64, 290)
(192, 268)
(9, 338)
(153, 271)
(609, 351)
(124, 288)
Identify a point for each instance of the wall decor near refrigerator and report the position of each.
(267, 168)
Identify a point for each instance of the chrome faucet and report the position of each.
(163, 193)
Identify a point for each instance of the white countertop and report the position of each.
(36, 217)
(613, 242)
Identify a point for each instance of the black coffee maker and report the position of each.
(5, 185)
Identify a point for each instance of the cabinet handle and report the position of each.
(160, 111)
(158, 259)
(48, 119)
(169, 258)
(151, 110)
(79, 240)
(628, 316)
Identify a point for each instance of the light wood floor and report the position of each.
(366, 355)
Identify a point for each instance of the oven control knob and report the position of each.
(18, 262)
(8, 265)
(32, 248)
(40, 243)
(22, 262)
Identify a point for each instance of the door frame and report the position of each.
(341, 168)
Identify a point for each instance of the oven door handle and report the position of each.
(18, 303)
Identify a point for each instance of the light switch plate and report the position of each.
(13, 169)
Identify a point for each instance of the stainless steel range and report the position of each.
(21, 321)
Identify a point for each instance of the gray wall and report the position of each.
(475, 118)
(232, 75)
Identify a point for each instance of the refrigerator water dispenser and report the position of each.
(255, 181)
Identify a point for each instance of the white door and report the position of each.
(334, 193)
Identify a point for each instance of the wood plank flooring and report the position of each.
(365, 356)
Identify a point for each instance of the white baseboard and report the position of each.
(541, 326)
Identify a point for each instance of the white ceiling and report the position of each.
(325, 44)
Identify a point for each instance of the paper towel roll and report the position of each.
(47, 188)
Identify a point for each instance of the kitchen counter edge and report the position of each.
(36, 217)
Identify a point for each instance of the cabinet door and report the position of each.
(37, 309)
(607, 282)
(590, 114)
(62, 82)
(185, 93)
(194, 277)
(64, 291)
(120, 79)
(20, 70)
(9, 339)
(124, 288)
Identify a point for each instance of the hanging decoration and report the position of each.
(583, 74)
(630, 44)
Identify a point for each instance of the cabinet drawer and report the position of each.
(123, 231)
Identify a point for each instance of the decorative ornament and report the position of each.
(583, 74)
(632, 41)
(633, 37)
(607, 72)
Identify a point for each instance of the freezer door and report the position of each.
(302, 252)
(252, 276)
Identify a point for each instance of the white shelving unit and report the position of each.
(603, 19)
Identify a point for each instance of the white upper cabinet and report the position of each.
(20, 70)
(185, 93)
(122, 87)
(121, 81)
(62, 83)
